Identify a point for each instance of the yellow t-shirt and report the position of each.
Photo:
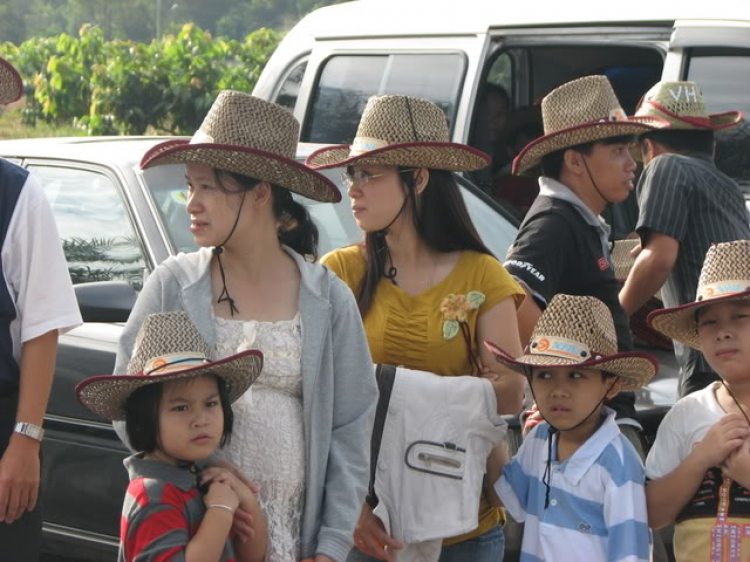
(409, 330)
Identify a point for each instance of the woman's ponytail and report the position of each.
(297, 230)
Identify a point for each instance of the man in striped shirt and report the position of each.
(686, 205)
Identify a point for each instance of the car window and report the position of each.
(346, 82)
(289, 90)
(723, 75)
(98, 238)
(335, 222)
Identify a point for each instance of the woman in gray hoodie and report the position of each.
(302, 436)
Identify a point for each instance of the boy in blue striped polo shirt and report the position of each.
(576, 482)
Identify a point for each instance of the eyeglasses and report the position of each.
(362, 177)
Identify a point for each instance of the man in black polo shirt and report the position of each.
(686, 204)
(563, 244)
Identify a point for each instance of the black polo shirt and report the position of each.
(558, 250)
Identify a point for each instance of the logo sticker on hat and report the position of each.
(723, 289)
(560, 347)
(174, 362)
(361, 145)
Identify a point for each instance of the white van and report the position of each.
(453, 51)
(448, 51)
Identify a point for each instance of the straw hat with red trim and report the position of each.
(725, 276)
(249, 136)
(401, 131)
(681, 105)
(168, 347)
(581, 111)
(11, 85)
(577, 331)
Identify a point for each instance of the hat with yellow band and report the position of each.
(578, 331)
(401, 131)
(725, 276)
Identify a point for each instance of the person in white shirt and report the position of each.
(37, 303)
(699, 465)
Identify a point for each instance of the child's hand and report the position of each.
(243, 525)
(724, 437)
(220, 493)
(737, 465)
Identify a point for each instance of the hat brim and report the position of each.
(11, 85)
(449, 156)
(255, 163)
(636, 369)
(713, 122)
(678, 322)
(532, 154)
(106, 395)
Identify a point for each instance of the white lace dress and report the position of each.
(268, 440)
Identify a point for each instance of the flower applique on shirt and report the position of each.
(456, 310)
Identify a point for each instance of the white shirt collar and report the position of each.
(584, 458)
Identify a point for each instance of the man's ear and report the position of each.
(573, 161)
(614, 387)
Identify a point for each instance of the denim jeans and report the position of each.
(488, 547)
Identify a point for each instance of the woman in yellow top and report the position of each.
(429, 290)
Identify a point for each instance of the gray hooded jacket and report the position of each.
(339, 392)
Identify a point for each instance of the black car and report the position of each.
(117, 223)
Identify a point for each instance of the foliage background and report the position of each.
(97, 67)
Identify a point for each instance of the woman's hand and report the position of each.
(234, 469)
(737, 465)
(370, 536)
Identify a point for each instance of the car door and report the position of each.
(82, 468)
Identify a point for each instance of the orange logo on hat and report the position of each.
(542, 344)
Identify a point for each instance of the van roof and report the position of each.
(375, 18)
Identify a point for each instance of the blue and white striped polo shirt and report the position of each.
(597, 509)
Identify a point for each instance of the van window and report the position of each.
(505, 120)
(347, 82)
(289, 90)
(723, 75)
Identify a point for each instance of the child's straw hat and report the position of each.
(168, 347)
(681, 105)
(401, 131)
(249, 136)
(725, 276)
(579, 331)
(11, 86)
(581, 111)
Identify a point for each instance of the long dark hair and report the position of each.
(298, 231)
(440, 218)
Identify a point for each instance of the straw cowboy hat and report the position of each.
(168, 347)
(11, 86)
(622, 258)
(579, 331)
(581, 111)
(248, 136)
(681, 105)
(725, 276)
(401, 131)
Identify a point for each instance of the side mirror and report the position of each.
(105, 301)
